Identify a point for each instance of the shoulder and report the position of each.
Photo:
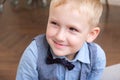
(99, 55)
(41, 40)
(27, 64)
(96, 47)
(31, 52)
(39, 36)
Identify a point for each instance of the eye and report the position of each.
(54, 23)
(73, 29)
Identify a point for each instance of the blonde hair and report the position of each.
(93, 8)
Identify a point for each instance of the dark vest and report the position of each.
(48, 72)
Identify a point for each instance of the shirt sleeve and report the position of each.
(28, 63)
(99, 66)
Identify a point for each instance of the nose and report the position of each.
(60, 35)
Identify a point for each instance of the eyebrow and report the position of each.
(51, 18)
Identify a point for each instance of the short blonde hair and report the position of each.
(93, 8)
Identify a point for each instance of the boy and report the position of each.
(66, 51)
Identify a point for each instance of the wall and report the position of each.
(113, 2)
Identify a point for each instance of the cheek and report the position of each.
(49, 31)
(76, 42)
(49, 34)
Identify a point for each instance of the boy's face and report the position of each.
(67, 30)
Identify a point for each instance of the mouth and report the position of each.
(59, 45)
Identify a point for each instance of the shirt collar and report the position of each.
(82, 55)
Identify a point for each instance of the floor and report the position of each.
(18, 26)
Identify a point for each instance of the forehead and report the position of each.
(56, 3)
(67, 15)
(92, 8)
(69, 10)
(71, 4)
(72, 7)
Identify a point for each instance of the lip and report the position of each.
(59, 45)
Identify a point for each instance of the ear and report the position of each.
(93, 34)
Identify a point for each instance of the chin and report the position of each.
(58, 53)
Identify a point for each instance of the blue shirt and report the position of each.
(27, 69)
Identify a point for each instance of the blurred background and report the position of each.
(22, 20)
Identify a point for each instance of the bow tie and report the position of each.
(64, 62)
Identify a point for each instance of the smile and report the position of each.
(59, 45)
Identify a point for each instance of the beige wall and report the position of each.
(113, 2)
